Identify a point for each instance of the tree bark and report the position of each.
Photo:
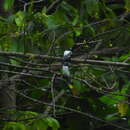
(7, 93)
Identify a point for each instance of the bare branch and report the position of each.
(59, 59)
(53, 4)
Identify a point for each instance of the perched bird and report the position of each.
(67, 53)
(66, 71)
(65, 67)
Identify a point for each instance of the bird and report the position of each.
(65, 67)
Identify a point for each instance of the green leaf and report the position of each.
(122, 108)
(125, 57)
(75, 20)
(78, 31)
(112, 117)
(92, 7)
(109, 13)
(14, 126)
(111, 101)
(53, 123)
(16, 46)
(127, 5)
(67, 42)
(8, 4)
(58, 18)
(39, 124)
(20, 18)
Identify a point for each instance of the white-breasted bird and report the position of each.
(66, 70)
(67, 53)
(65, 67)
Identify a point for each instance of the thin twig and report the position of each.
(32, 2)
(25, 67)
(52, 93)
(25, 74)
(34, 64)
(52, 5)
(60, 94)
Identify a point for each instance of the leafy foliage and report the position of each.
(94, 29)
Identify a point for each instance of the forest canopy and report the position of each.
(64, 64)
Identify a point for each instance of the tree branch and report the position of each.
(59, 59)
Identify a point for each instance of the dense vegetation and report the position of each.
(34, 92)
